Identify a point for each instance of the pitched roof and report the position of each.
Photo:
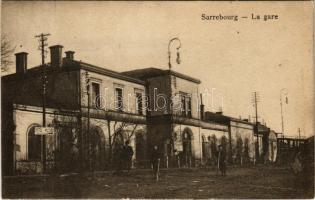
(71, 65)
(136, 76)
(146, 73)
(220, 118)
(107, 72)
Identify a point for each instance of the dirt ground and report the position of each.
(240, 182)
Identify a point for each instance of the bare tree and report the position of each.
(7, 50)
(119, 131)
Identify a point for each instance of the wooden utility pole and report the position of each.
(42, 40)
(281, 104)
(255, 100)
(299, 130)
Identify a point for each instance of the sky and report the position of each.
(235, 58)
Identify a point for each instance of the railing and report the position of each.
(33, 166)
(169, 162)
(166, 162)
(28, 167)
(280, 137)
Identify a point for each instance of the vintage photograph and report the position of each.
(157, 100)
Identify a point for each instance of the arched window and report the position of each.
(97, 148)
(186, 139)
(34, 145)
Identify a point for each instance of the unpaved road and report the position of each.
(240, 182)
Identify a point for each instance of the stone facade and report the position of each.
(95, 110)
(243, 141)
(28, 117)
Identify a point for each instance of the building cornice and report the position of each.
(71, 65)
(110, 73)
(37, 109)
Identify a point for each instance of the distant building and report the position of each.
(241, 136)
(288, 147)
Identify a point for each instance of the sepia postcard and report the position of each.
(157, 100)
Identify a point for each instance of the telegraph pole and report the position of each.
(281, 104)
(299, 130)
(256, 117)
(255, 100)
(282, 127)
(42, 40)
(255, 103)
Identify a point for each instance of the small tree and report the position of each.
(239, 149)
(6, 52)
(246, 149)
(119, 134)
(65, 150)
(213, 146)
(224, 142)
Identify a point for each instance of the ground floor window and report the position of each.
(34, 145)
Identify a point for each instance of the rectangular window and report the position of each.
(188, 98)
(139, 103)
(96, 95)
(185, 105)
(119, 99)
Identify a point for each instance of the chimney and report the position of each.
(202, 109)
(56, 56)
(70, 55)
(21, 62)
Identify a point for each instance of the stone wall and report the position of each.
(243, 142)
(65, 138)
(25, 118)
(211, 139)
(187, 87)
(159, 88)
(107, 92)
(27, 90)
